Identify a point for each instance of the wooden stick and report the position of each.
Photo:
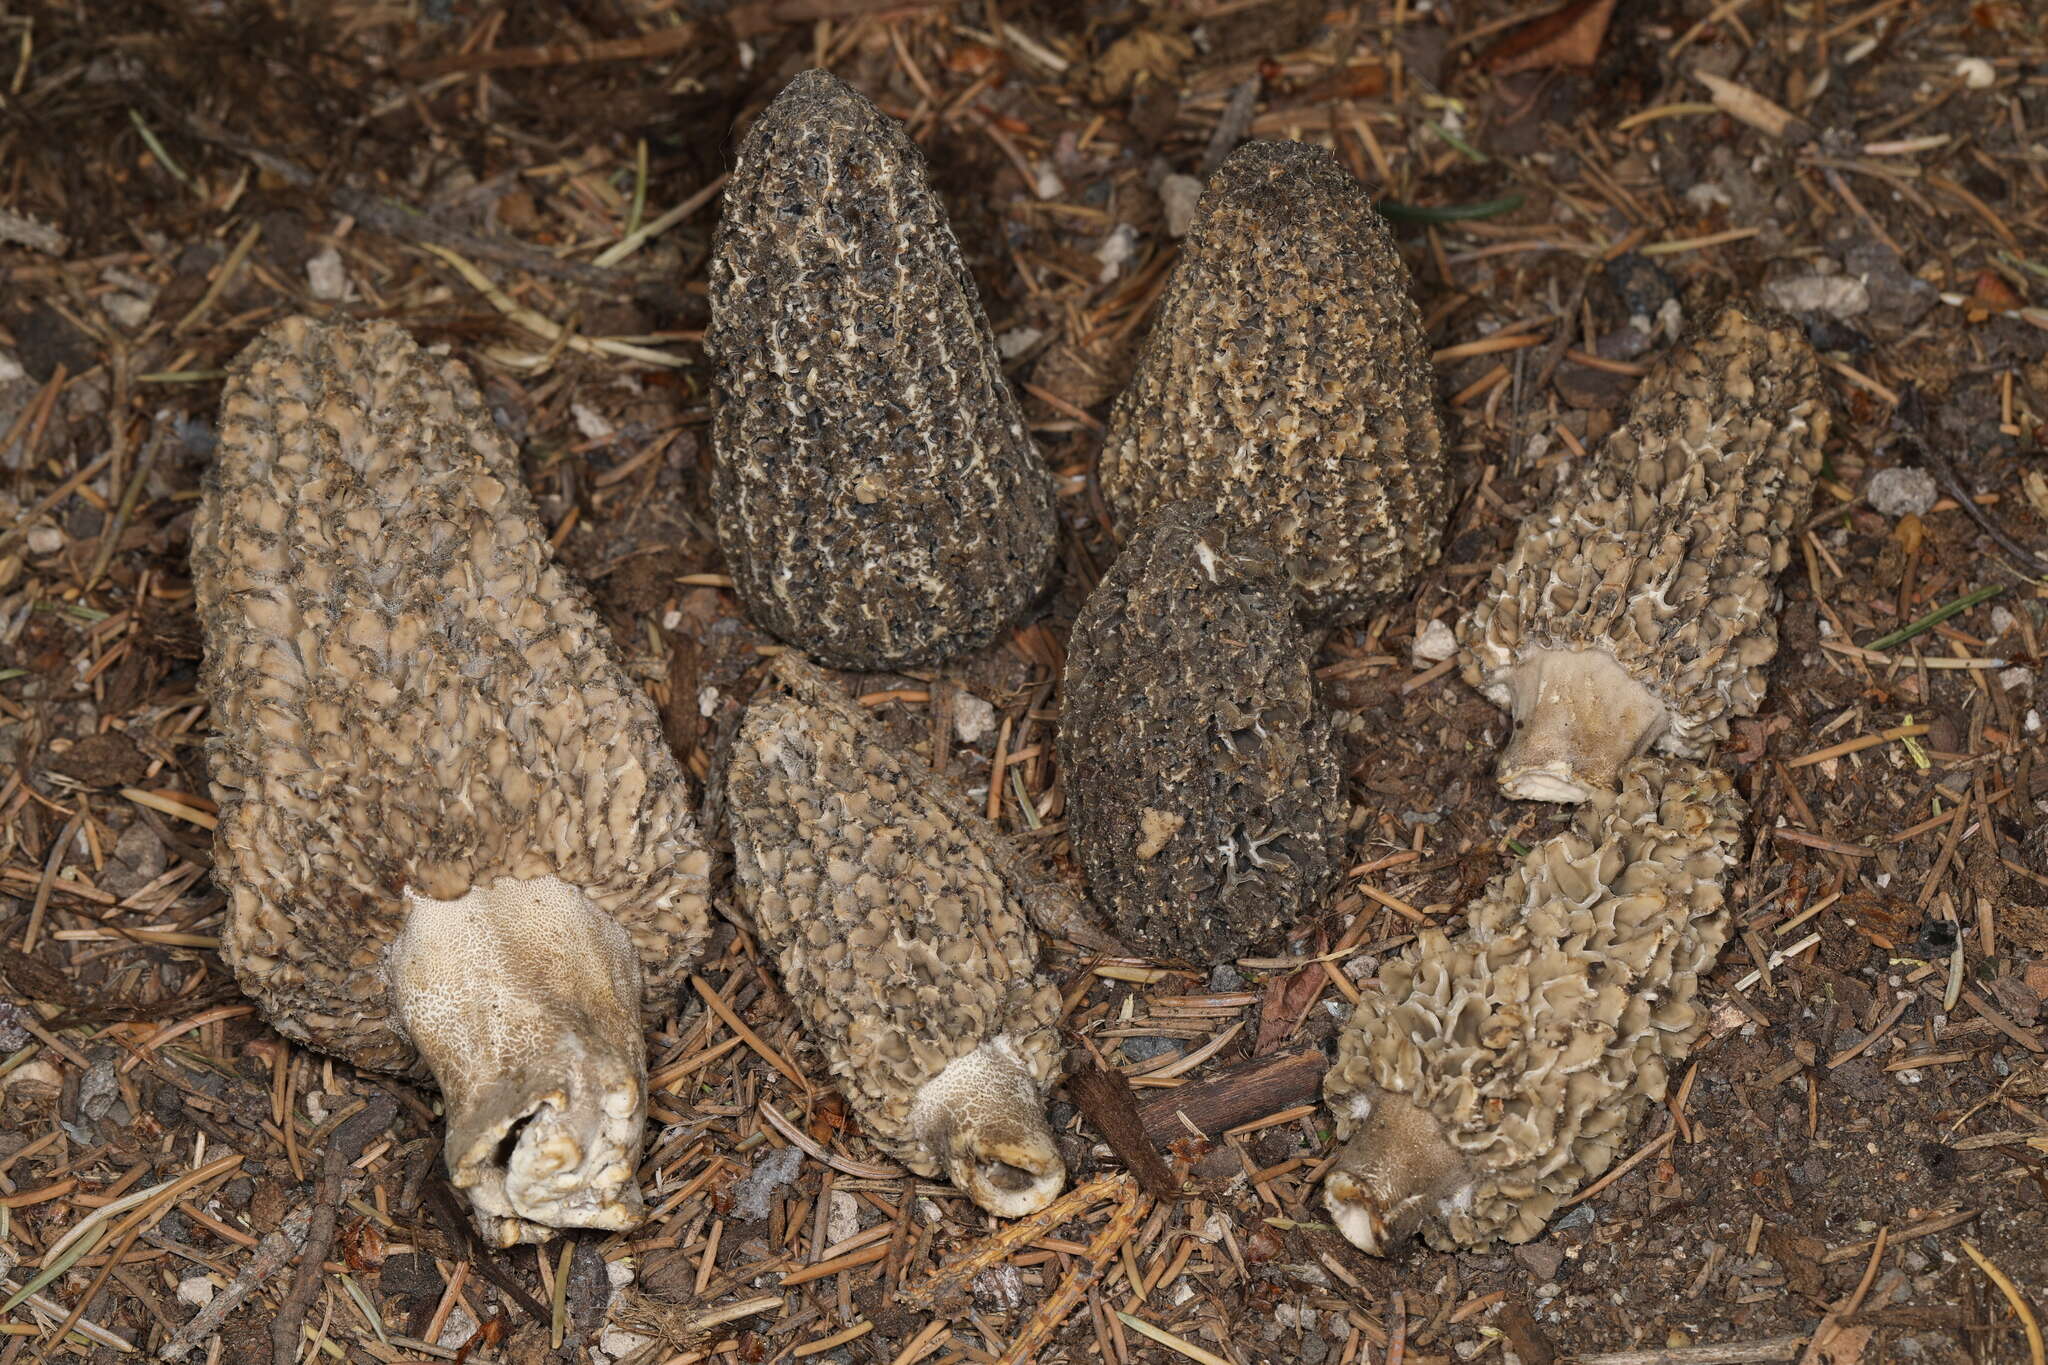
(1235, 1096)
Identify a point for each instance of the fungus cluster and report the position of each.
(897, 919)
(877, 497)
(1497, 1070)
(1640, 606)
(452, 837)
(1286, 383)
(1204, 798)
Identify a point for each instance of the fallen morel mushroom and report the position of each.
(1286, 382)
(1640, 607)
(1495, 1072)
(451, 835)
(878, 500)
(898, 921)
(1204, 797)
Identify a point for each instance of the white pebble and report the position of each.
(972, 717)
(197, 1291)
(1435, 643)
(1901, 491)
(325, 275)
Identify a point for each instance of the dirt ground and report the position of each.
(1854, 1167)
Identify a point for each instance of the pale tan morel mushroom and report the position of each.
(898, 921)
(452, 837)
(1640, 607)
(1496, 1072)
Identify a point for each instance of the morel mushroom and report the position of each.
(451, 835)
(1204, 798)
(878, 499)
(1494, 1073)
(1640, 607)
(898, 921)
(1286, 381)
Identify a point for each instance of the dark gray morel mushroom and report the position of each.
(878, 499)
(1204, 798)
(898, 921)
(452, 838)
(1640, 607)
(1286, 381)
(1496, 1072)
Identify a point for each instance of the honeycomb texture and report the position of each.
(406, 691)
(1204, 797)
(877, 497)
(1286, 382)
(895, 915)
(1663, 549)
(1540, 1035)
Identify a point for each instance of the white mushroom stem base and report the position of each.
(523, 998)
(983, 1120)
(1397, 1170)
(1579, 716)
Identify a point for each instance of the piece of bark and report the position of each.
(1236, 1096)
(1106, 1100)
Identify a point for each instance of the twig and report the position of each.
(110, 538)
(344, 1145)
(1732, 1353)
(273, 1254)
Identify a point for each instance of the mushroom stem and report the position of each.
(1579, 716)
(983, 1119)
(523, 998)
(1397, 1169)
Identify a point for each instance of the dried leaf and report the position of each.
(1992, 293)
(2036, 485)
(1569, 37)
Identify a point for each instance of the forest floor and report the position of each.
(1854, 1164)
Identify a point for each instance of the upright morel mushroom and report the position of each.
(878, 499)
(898, 921)
(1286, 382)
(1640, 607)
(1495, 1072)
(451, 835)
(1204, 798)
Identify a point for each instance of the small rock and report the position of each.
(2016, 678)
(127, 309)
(1540, 1259)
(1116, 251)
(842, 1220)
(2002, 620)
(325, 275)
(457, 1330)
(972, 718)
(197, 1291)
(618, 1343)
(1018, 340)
(1902, 491)
(45, 540)
(13, 1037)
(594, 425)
(1435, 643)
(1839, 296)
(1225, 978)
(1146, 1049)
(1178, 196)
(618, 1273)
(770, 1173)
